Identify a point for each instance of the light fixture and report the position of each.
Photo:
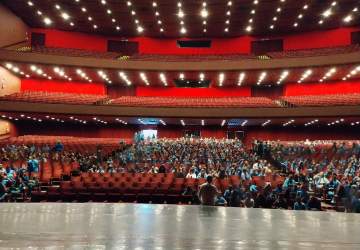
(47, 21)
(261, 78)
(65, 16)
(140, 29)
(241, 78)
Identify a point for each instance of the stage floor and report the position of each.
(142, 226)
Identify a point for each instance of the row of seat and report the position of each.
(166, 189)
(315, 52)
(74, 144)
(215, 102)
(194, 57)
(52, 97)
(191, 58)
(74, 52)
(323, 100)
(194, 102)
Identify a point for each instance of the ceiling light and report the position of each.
(221, 78)
(181, 14)
(327, 13)
(248, 28)
(30, 3)
(348, 18)
(261, 78)
(47, 21)
(241, 78)
(65, 16)
(9, 65)
(204, 13)
(140, 29)
(182, 30)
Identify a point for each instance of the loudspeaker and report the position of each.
(37, 39)
(264, 46)
(127, 48)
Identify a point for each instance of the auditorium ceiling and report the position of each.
(187, 18)
(126, 78)
(238, 122)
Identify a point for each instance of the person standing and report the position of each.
(208, 192)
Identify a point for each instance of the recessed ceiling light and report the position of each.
(182, 30)
(181, 14)
(47, 21)
(327, 13)
(204, 13)
(140, 29)
(65, 16)
(348, 18)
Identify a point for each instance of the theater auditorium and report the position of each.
(187, 124)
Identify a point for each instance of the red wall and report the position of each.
(319, 39)
(110, 131)
(193, 92)
(127, 132)
(295, 89)
(300, 133)
(64, 39)
(239, 45)
(59, 86)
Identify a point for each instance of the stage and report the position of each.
(145, 226)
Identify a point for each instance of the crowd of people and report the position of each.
(312, 170)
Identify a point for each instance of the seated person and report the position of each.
(314, 204)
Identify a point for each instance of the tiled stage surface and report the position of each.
(145, 226)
